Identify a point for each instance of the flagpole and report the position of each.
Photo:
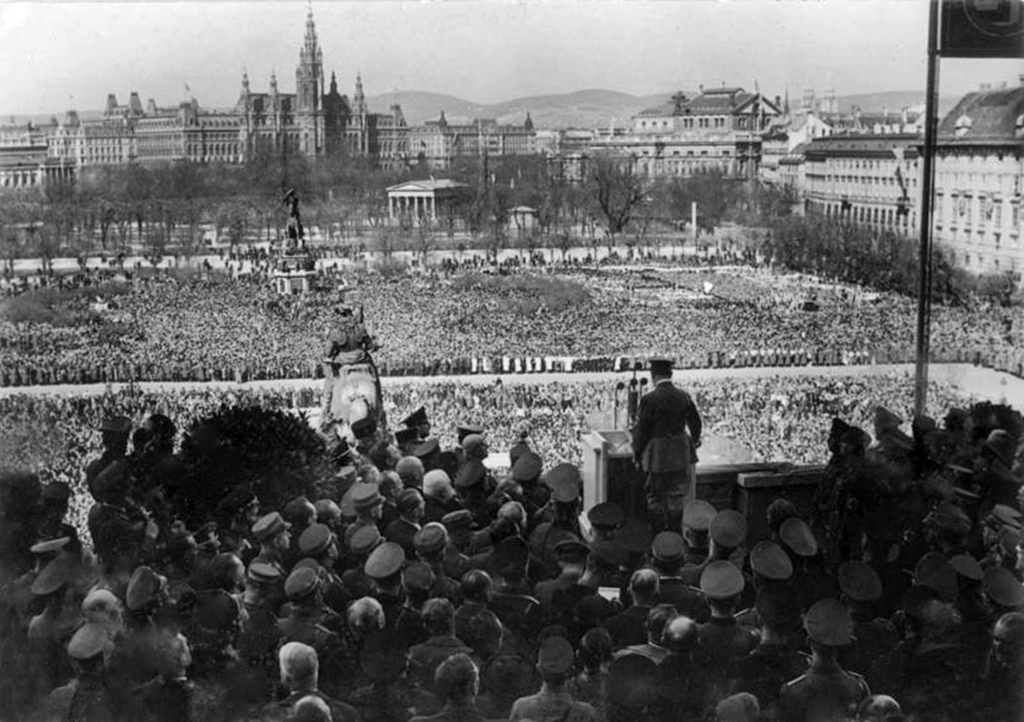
(924, 295)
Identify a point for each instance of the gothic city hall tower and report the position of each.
(309, 89)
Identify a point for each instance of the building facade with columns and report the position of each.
(423, 201)
(719, 129)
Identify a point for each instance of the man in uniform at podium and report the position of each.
(664, 449)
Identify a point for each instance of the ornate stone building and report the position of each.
(718, 130)
(314, 122)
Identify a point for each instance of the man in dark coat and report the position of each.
(663, 448)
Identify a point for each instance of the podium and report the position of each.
(726, 481)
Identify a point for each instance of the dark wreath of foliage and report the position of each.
(277, 454)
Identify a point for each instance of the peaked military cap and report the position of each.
(384, 561)
(57, 491)
(697, 515)
(728, 528)
(796, 535)
(53, 576)
(1002, 587)
(859, 581)
(308, 563)
(48, 546)
(1007, 516)
(143, 587)
(117, 424)
(427, 448)
(316, 539)
(365, 539)
(263, 573)
(606, 515)
(474, 444)
(967, 567)
(301, 583)
(661, 365)
(88, 642)
(556, 656)
(667, 547)
(462, 518)
(418, 576)
(432, 538)
(634, 681)
(527, 467)
(365, 496)
(564, 480)
(407, 500)
(416, 418)
(100, 600)
(828, 622)
(768, 560)
(721, 580)
(269, 526)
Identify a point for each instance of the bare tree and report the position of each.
(617, 191)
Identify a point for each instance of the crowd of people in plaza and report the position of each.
(219, 328)
(777, 419)
(427, 586)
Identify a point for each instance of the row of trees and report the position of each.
(158, 208)
(883, 260)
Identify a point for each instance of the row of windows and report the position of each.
(965, 208)
(870, 164)
(866, 214)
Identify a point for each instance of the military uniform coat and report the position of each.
(660, 439)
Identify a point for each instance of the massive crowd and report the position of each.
(425, 586)
(238, 329)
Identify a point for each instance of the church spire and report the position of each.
(359, 99)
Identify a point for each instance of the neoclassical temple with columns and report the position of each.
(425, 200)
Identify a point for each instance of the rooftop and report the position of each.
(985, 117)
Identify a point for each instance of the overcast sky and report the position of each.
(480, 50)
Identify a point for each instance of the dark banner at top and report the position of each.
(982, 29)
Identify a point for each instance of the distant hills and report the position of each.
(593, 108)
(597, 108)
(579, 109)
